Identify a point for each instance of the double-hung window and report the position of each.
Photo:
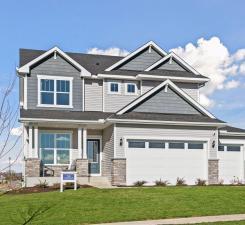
(131, 88)
(114, 87)
(55, 148)
(54, 91)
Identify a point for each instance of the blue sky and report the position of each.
(81, 25)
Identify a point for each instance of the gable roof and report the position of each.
(55, 50)
(178, 59)
(137, 51)
(175, 88)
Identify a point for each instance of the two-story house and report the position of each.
(118, 120)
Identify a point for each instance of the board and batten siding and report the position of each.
(142, 61)
(189, 88)
(54, 67)
(166, 102)
(151, 131)
(107, 151)
(114, 102)
(93, 95)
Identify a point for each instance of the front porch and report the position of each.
(50, 149)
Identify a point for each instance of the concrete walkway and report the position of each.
(188, 220)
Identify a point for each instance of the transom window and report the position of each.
(230, 148)
(195, 145)
(55, 91)
(136, 143)
(176, 145)
(131, 88)
(114, 88)
(156, 144)
(55, 148)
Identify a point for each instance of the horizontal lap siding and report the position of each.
(108, 151)
(54, 67)
(114, 102)
(171, 66)
(142, 61)
(93, 95)
(151, 131)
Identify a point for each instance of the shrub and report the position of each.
(42, 184)
(200, 182)
(161, 183)
(139, 183)
(180, 181)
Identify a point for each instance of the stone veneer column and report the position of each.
(32, 167)
(82, 167)
(213, 171)
(118, 172)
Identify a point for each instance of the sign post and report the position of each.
(68, 176)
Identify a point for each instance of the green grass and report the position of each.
(123, 204)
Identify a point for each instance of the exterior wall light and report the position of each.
(121, 142)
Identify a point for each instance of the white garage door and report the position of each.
(230, 163)
(151, 160)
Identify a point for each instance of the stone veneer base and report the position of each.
(213, 171)
(118, 172)
(82, 167)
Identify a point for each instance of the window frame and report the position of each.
(112, 92)
(55, 79)
(55, 149)
(177, 142)
(135, 88)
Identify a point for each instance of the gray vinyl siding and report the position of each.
(166, 102)
(142, 61)
(151, 131)
(171, 66)
(114, 102)
(189, 88)
(93, 95)
(54, 67)
(21, 89)
(108, 151)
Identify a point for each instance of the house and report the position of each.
(118, 120)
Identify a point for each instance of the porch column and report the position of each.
(79, 142)
(25, 145)
(84, 143)
(35, 152)
(30, 154)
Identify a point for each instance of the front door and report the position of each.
(93, 152)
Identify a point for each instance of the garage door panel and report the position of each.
(155, 164)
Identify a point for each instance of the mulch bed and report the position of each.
(37, 189)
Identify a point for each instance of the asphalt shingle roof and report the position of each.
(233, 129)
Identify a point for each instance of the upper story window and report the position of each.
(54, 91)
(131, 88)
(114, 87)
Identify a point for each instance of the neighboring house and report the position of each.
(119, 120)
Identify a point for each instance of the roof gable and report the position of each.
(25, 69)
(171, 64)
(150, 46)
(173, 57)
(176, 89)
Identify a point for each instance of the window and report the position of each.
(233, 148)
(156, 144)
(136, 144)
(113, 88)
(195, 145)
(131, 88)
(55, 148)
(55, 91)
(176, 145)
(221, 148)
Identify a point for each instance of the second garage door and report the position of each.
(151, 160)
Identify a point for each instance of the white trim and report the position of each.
(126, 88)
(30, 138)
(26, 68)
(55, 78)
(84, 151)
(36, 142)
(83, 98)
(79, 142)
(161, 122)
(103, 95)
(115, 140)
(177, 58)
(227, 133)
(109, 87)
(177, 89)
(116, 77)
(99, 137)
(25, 93)
(148, 44)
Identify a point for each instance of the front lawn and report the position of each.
(90, 205)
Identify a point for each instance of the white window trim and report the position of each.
(126, 88)
(55, 132)
(55, 78)
(109, 88)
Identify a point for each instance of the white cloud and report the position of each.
(232, 84)
(109, 51)
(242, 68)
(212, 59)
(16, 131)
